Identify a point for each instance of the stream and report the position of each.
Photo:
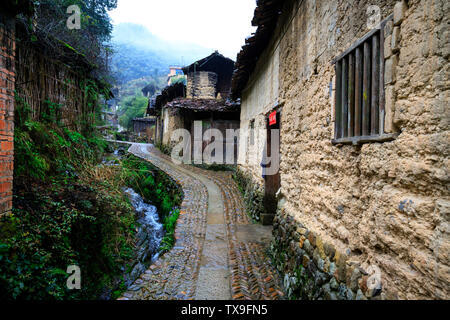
(149, 235)
(149, 229)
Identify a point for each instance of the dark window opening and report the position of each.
(252, 132)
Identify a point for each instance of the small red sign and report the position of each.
(273, 118)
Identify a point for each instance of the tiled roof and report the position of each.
(199, 105)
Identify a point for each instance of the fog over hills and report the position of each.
(141, 54)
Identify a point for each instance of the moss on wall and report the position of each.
(252, 193)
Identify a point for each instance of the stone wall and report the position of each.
(349, 214)
(7, 84)
(201, 85)
(171, 121)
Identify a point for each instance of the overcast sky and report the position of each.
(214, 24)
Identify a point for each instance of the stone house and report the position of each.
(174, 73)
(144, 127)
(155, 109)
(359, 91)
(205, 98)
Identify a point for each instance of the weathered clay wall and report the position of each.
(171, 121)
(260, 97)
(348, 210)
(141, 125)
(7, 81)
(201, 85)
(383, 204)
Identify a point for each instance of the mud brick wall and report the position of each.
(347, 211)
(379, 204)
(172, 120)
(7, 78)
(201, 85)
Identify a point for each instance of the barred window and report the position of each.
(359, 92)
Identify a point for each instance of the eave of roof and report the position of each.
(144, 120)
(265, 18)
(169, 93)
(205, 105)
(197, 65)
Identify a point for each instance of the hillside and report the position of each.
(140, 54)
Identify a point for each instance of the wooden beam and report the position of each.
(338, 101)
(363, 39)
(366, 139)
(358, 88)
(366, 90)
(351, 95)
(375, 97)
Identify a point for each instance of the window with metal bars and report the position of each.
(359, 92)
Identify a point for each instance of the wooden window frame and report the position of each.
(359, 118)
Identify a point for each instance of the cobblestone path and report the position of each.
(218, 254)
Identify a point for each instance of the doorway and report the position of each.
(272, 181)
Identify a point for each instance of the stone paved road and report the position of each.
(219, 254)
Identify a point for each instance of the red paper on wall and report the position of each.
(273, 118)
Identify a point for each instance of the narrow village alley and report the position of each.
(219, 254)
(314, 137)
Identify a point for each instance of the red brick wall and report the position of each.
(7, 78)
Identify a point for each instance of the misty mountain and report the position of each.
(141, 54)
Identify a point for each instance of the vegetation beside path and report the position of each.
(70, 209)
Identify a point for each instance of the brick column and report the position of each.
(7, 78)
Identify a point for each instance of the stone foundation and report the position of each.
(314, 269)
(252, 193)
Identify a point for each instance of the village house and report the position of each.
(205, 98)
(144, 127)
(359, 92)
(174, 73)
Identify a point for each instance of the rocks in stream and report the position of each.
(149, 234)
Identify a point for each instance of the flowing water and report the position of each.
(150, 231)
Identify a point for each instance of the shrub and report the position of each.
(158, 188)
(60, 224)
(62, 214)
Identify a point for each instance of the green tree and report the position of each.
(133, 107)
(49, 26)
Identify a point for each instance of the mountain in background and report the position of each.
(140, 54)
